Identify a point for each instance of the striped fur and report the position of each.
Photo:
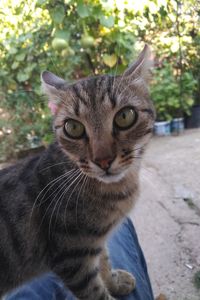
(56, 211)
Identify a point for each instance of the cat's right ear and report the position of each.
(141, 69)
(52, 86)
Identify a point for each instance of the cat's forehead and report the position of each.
(106, 91)
(91, 94)
(93, 89)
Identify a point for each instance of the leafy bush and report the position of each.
(79, 38)
(72, 41)
(172, 95)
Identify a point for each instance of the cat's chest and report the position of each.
(97, 212)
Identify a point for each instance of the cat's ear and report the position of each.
(141, 69)
(52, 86)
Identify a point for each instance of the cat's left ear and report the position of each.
(141, 69)
(53, 86)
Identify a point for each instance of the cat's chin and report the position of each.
(110, 178)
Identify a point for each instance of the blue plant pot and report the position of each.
(177, 125)
(162, 128)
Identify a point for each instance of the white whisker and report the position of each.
(68, 199)
(53, 182)
(61, 196)
(64, 162)
(61, 188)
(113, 85)
(78, 198)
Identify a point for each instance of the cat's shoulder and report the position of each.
(15, 169)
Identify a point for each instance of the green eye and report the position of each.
(125, 118)
(74, 129)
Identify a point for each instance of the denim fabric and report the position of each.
(125, 253)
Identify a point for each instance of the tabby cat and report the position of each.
(57, 208)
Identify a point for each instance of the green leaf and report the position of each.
(62, 34)
(20, 56)
(13, 50)
(21, 77)
(15, 65)
(58, 14)
(40, 2)
(30, 67)
(110, 60)
(107, 21)
(82, 10)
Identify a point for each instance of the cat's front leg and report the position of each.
(118, 282)
(84, 280)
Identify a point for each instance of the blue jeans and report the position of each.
(125, 253)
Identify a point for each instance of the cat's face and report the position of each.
(103, 123)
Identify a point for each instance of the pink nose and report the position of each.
(104, 163)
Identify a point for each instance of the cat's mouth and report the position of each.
(108, 177)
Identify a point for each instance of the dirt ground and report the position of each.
(167, 215)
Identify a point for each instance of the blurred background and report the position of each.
(74, 39)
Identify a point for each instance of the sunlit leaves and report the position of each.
(110, 60)
(22, 76)
(79, 38)
(20, 57)
(107, 21)
(82, 9)
(58, 14)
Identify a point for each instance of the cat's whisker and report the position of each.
(69, 195)
(54, 182)
(51, 202)
(60, 188)
(49, 185)
(46, 168)
(113, 85)
(62, 185)
(84, 187)
(81, 173)
(85, 176)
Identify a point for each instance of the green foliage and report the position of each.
(165, 92)
(84, 37)
(72, 40)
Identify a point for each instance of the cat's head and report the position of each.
(103, 123)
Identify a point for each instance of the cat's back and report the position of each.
(26, 178)
(15, 176)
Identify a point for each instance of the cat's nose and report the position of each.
(104, 163)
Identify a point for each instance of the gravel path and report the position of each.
(167, 215)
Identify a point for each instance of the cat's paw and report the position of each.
(123, 282)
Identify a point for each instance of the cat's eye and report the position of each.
(74, 129)
(125, 118)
